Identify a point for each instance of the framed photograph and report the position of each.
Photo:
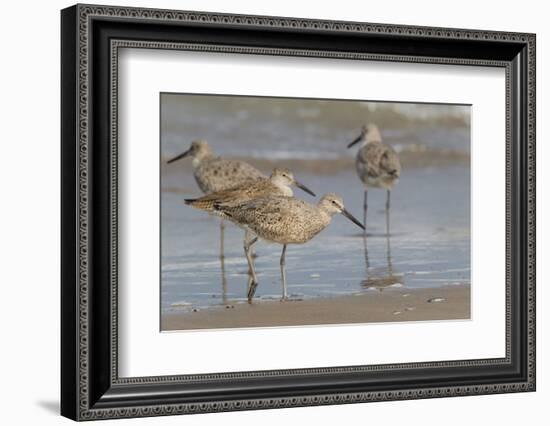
(263, 212)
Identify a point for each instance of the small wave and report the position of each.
(203, 264)
(180, 304)
(295, 155)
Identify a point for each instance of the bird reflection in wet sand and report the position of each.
(381, 278)
(224, 280)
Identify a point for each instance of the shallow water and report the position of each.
(279, 128)
(428, 244)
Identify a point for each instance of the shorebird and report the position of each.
(283, 220)
(279, 183)
(213, 173)
(377, 164)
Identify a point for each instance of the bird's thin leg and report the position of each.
(222, 229)
(388, 213)
(247, 236)
(224, 281)
(367, 263)
(283, 275)
(365, 212)
(388, 250)
(254, 283)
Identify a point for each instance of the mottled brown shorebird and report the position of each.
(213, 173)
(279, 183)
(283, 220)
(377, 164)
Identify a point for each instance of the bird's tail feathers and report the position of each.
(199, 203)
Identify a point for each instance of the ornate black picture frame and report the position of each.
(91, 36)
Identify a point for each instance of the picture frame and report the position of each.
(90, 384)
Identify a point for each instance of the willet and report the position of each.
(279, 183)
(283, 220)
(213, 173)
(377, 164)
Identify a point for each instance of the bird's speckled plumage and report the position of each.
(279, 183)
(218, 174)
(377, 164)
(284, 220)
(214, 173)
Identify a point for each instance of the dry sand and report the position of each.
(390, 305)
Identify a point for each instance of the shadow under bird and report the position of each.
(377, 164)
(283, 220)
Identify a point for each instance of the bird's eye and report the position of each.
(334, 202)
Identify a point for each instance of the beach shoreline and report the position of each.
(331, 166)
(399, 304)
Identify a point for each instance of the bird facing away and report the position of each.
(214, 173)
(283, 220)
(377, 164)
(279, 183)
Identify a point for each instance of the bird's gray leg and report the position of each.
(387, 223)
(388, 249)
(283, 275)
(222, 261)
(365, 212)
(222, 229)
(388, 213)
(245, 241)
(247, 238)
(367, 264)
(224, 281)
(254, 283)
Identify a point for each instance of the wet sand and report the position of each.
(390, 305)
(335, 278)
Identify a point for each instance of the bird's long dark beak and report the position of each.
(304, 188)
(354, 141)
(350, 217)
(177, 157)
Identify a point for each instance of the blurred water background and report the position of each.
(429, 241)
